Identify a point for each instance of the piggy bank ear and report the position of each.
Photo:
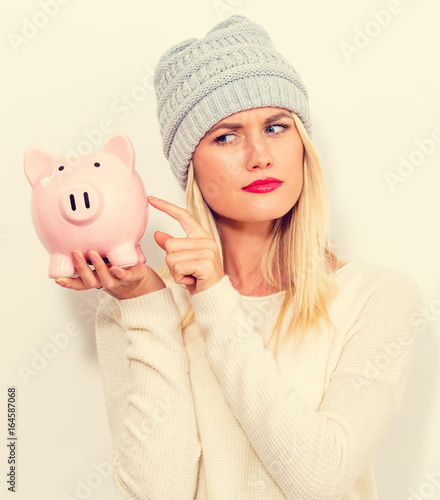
(121, 147)
(38, 164)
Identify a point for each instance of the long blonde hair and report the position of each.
(299, 249)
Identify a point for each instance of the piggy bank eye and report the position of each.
(97, 164)
(61, 168)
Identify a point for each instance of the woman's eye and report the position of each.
(223, 139)
(276, 129)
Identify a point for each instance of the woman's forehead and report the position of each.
(268, 112)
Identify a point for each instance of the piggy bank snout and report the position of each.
(80, 203)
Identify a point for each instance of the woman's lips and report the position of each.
(263, 185)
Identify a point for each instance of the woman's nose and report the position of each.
(258, 154)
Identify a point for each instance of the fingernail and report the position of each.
(116, 271)
(61, 283)
(152, 198)
(76, 257)
(93, 257)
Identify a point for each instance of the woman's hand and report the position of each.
(193, 261)
(120, 283)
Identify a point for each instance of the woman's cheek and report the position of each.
(211, 192)
(220, 174)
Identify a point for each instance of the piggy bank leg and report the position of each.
(140, 253)
(123, 256)
(61, 266)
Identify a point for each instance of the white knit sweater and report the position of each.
(211, 415)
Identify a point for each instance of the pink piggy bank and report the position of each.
(98, 204)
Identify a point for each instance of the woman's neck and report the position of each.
(242, 244)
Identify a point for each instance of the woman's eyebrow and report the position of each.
(273, 118)
(236, 125)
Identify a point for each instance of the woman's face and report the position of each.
(249, 166)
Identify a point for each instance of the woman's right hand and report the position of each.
(120, 283)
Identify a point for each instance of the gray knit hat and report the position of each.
(235, 67)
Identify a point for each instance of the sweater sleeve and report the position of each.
(149, 401)
(314, 452)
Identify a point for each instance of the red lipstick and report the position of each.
(263, 185)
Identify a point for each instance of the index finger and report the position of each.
(191, 227)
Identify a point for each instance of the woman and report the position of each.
(257, 365)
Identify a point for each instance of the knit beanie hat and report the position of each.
(235, 67)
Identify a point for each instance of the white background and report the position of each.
(368, 109)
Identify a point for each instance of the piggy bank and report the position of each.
(99, 203)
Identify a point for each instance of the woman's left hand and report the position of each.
(193, 261)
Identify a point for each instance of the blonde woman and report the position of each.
(256, 364)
